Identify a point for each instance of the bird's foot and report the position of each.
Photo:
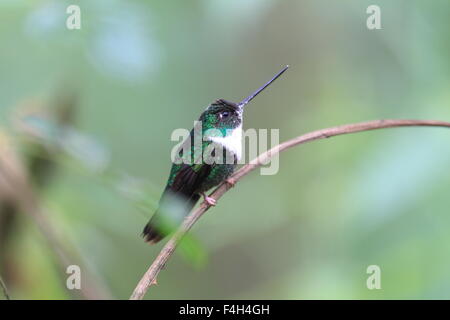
(231, 182)
(210, 201)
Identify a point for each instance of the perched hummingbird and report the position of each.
(220, 127)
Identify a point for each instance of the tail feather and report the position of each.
(151, 234)
(156, 230)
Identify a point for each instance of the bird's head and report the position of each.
(222, 114)
(226, 115)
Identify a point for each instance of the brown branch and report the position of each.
(150, 276)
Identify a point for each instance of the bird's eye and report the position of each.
(224, 114)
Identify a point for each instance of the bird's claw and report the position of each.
(209, 200)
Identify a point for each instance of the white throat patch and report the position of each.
(232, 142)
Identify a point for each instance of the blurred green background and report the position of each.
(140, 69)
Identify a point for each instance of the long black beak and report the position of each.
(250, 97)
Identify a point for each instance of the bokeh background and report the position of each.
(89, 113)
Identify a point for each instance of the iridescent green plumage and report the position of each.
(201, 164)
(201, 167)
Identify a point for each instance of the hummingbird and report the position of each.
(202, 166)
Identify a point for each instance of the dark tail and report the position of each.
(151, 233)
(156, 230)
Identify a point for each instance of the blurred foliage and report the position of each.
(140, 69)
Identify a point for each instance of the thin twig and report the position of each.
(15, 186)
(150, 276)
(5, 291)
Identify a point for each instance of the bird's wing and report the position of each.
(180, 194)
(189, 177)
(176, 201)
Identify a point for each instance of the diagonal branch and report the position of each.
(4, 290)
(150, 276)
